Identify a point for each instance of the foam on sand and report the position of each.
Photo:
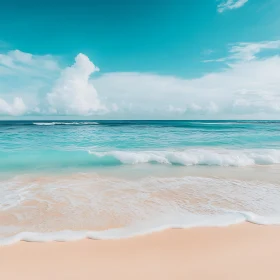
(140, 229)
(88, 206)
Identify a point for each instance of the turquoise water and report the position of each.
(67, 180)
(34, 145)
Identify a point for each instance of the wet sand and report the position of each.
(240, 252)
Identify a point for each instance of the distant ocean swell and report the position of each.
(207, 125)
(64, 123)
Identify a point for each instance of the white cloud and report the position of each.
(72, 93)
(230, 5)
(26, 63)
(25, 75)
(249, 87)
(247, 51)
(15, 108)
(216, 95)
(33, 78)
(193, 108)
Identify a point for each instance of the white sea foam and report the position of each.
(65, 123)
(200, 156)
(50, 123)
(45, 206)
(126, 232)
(140, 229)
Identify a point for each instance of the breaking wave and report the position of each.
(209, 157)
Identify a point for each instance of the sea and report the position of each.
(69, 180)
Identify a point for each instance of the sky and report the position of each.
(140, 59)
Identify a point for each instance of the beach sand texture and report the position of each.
(240, 252)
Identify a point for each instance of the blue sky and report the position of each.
(135, 59)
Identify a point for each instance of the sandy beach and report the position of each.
(244, 251)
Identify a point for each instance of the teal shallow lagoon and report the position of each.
(135, 176)
(29, 145)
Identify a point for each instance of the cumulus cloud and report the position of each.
(46, 89)
(230, 5)
(72, 93)
(15, 108)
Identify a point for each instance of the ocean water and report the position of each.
(67, 180)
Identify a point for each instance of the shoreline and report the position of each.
(243, 251)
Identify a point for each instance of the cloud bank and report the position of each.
(246, 86)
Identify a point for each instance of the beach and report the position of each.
(140, 200)
(140, 140)
(245, 251)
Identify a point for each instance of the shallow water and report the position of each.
(111, 179)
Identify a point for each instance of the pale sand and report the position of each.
(237, 252)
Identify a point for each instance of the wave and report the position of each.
(140, 229)
(88, 201)
(81, 159)
(65, 123)
(208, 157)
(216, 125)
